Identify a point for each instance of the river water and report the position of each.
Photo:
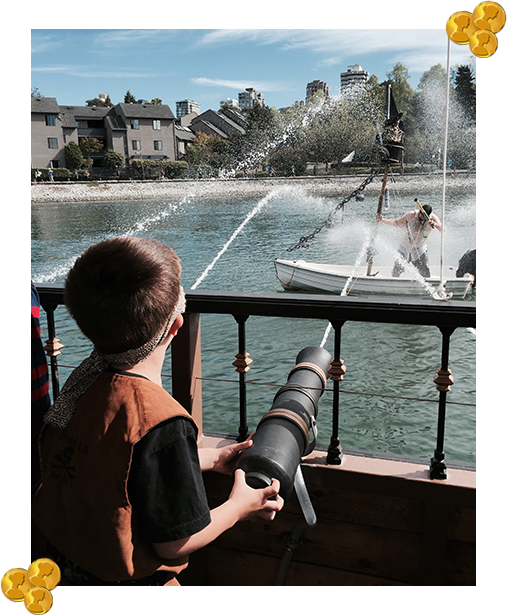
(382, 359)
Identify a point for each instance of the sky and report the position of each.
(208, 66)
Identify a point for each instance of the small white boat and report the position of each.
(300, 275)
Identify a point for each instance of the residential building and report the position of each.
(135, 130)
(184, 107)
(249, 98)
(314, 87)
(229, 102)
(353, 81)
(223, 124)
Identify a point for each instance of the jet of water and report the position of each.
(345, 289)
(252, 213)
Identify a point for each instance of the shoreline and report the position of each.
(334, 186)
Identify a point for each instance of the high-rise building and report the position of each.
(314, 87)
(229, 102)
(249, 98)
(353, 81)
(184, 107)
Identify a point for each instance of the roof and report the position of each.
(44, 105)
(136, 110)
(183, 133)
(198, 126)
(85, 112)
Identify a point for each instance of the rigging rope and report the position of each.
(303, 241)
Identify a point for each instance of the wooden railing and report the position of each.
(186, 346)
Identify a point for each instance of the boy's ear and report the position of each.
(178, 322)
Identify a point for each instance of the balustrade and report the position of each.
(186, 347)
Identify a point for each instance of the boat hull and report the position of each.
(338, 279)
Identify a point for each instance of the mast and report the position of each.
(441, 287)
(370, 251)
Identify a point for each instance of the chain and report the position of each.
(304, 241)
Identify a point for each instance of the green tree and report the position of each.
(98, 102)
(156, 101)
(73, 156)
(465, 88)
(286, 159)
(90, 145)
(113, 160)
(129, 98)
(36, 93)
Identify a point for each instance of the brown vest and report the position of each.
(83, 507)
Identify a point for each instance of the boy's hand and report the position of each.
(255, 502)
(227, 457)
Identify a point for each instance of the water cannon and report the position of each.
(423, 211)
(288, 431)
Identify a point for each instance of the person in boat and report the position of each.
(413, 248)
(122, 500)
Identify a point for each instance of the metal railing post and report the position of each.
(52, 348)
(242, 365)
(443, 381)
(336, 371)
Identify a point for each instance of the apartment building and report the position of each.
(134, 130)
(353, 81)
(314, 87)
(184, 107)
(249, 98)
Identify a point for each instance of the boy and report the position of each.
(122, 499)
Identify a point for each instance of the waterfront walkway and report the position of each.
(339, 186)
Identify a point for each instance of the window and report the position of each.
(53, 143)
(156, 125)
(136, 144)
(157, 145)
(134, 124)
(50, 120)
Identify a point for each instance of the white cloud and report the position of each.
(88, 72)
(264, 86)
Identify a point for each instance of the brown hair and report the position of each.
(122, 291)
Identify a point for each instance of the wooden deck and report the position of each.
(379, 522)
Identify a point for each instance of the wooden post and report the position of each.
(369, 253)
(186, 366)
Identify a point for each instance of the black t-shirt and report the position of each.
(165, 485)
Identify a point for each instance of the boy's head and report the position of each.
(122, 291)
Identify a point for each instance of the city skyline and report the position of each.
(208, 66)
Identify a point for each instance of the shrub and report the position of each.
(172, 168)
(59, 175)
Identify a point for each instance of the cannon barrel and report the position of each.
(284, 433)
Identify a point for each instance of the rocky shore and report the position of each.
(339, 186)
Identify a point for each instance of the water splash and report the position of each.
(345, 291)
(252, 213)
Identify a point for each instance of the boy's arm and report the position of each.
(243, 502)
(222, 460)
